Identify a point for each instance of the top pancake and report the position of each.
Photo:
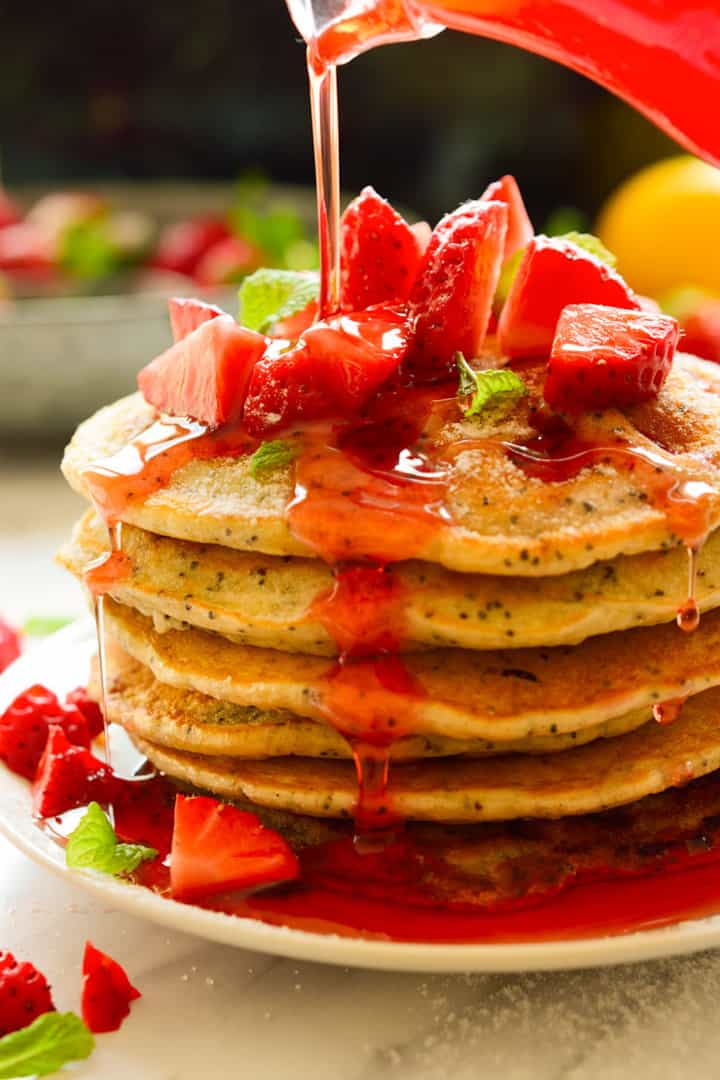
(497, 519)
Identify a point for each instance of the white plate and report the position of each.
(61, 663)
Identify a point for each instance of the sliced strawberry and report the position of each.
(554, 273)
(604, 357)
(25, 725)
(206, 374)
(10, 647)
(68, 776)
(143, 811)
(520, 231)
(187, 314)
(336, 366)
(702, 330)
(182, 245)
(452, 297)
(90, 710)
(228, 260)
(379, 253)
(217, 848)
(106, 991)
(24, 994)
(292, 327)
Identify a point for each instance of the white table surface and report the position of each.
(213, 1012)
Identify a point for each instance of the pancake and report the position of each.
(496, 518)
(187, 720)
(265, 600)
(604, 774)
(490, 695)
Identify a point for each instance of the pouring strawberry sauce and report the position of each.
(355, 386)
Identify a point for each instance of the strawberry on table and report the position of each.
(606, 357)
(187, 314)
(555, 272)
(520, 231)
(26, 723)
(217, 848)
(451, 300)
(24, 994)
(379, 253)
(206, 374)
(106, 991)
(68, 776)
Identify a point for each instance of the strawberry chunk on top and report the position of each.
(187, 314)
(379, 253)
(603, 357)
(519, 231)
(24, 994)
(452, 297)
(217, 848)
(106, 991)
(553, 273)
(206, 374)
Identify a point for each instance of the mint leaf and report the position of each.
(497, 389)
(42, 625)
(593, 244)
(93, 845)
(271, 455)
(43, 1047)
(269, 295)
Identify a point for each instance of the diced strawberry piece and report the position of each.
(187, 314)
(68, 776)
(25, 247)
(217, 848)
(90, 710)
(143, 811)
(24, 994)
(520, 231)
(106, 991)
(25, 725)
(702, 330)
(206, 374)
(10, 647)
(554, 273)
(606, 357)
(292, 327)
(336, 366)
(379, 253)
(228, 260)
(9, 213)
(452, 297)
(182, 245)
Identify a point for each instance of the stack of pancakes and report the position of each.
(539, 624)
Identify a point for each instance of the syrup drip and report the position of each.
(324, 107)
(688, 616)
(667, 712)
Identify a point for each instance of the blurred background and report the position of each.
(185, 129)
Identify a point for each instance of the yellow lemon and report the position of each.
(664, 226)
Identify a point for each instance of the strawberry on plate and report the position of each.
(520, 231)
(206, 374)
(26, 723)
(24, 994)
(555, 272)
(9, 644)
(81, 700)
(334, 368)
(106, 991)
(187, 314)
(451, 300)
(68, 776)
(606, 357)
(217, 848)
(379, 253)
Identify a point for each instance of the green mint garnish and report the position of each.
(496, 389)
(270, 295)
(271, 455)
(591, 244)
(93, 845)
(43, 1047)
(42, 625)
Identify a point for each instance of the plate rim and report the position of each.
(680, 938)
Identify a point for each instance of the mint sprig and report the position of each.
(271, 455)
(495, 388)
(270, 295)
(43, 1047)
(93, 845)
